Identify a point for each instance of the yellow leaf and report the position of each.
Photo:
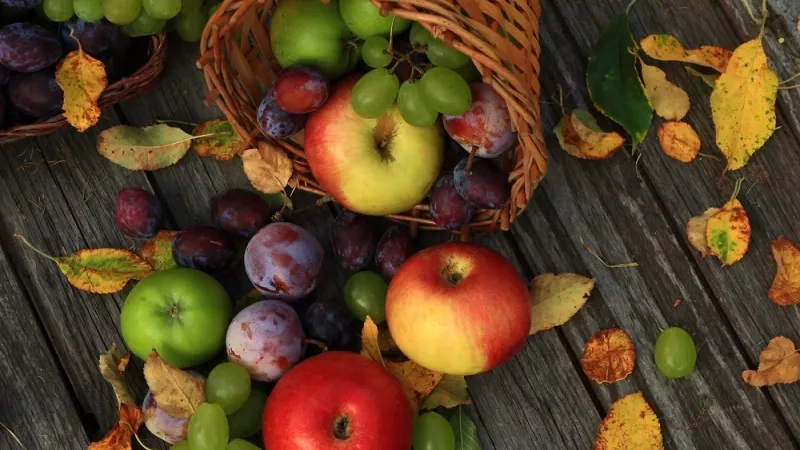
(664, 47)
(112, 365)
(369, 342)
(728, 233)
(450, 392)
(418, 382)
(785, 289)
(158, 250)
(696, 230)
(631, 424)
(223, 144)
(581, 137)
(175, 391)
(669, 101)
(609, 356)
(83, 79)
(743, 104)
(100, 270)
(679, 141)
(555, 298)
(268, 168)
(778, 363)
(708, 78)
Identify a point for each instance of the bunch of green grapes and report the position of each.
(137, 17)
(443, 86)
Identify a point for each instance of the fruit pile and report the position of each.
(257, 369)
(36, 34)
(390, 114)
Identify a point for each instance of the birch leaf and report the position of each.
(630, 424)
(581, 137)
(728, 233)
(785, 289)
(696, 231)
(708, 78)
(555, 298)
(669, 101)
(743, 104)
(664, 47)
(679, 141)
(609, 356)
(83, 79)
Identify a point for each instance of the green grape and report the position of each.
(433, 432)
(228, 385)
(58, 10)
(190, 24)
(248, 419)
(121, 12)
(182, 445)
(413, 108)
(418, 35)
(469, 73)
(374, 52)
(445, 91)
(191, 5)
(144, 25)
(675, 353)
(443, 56)
(238, 444)
(365, 295)
(374, 93)
(162, 9)
(88, 10)
(208, 428)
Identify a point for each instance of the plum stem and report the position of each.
(26, 242)
(468, 166)
(317, 343)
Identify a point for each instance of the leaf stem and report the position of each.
(630, 5)
(790, 79)
(736, 188)
(180, 122)
(26, 242)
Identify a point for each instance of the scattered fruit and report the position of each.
(266, 338)
(203, 248)
(485, 126)
(181, 313)
(394, 247)
(138, 213)
(36, 94)
(365, 295)
(161, 424)
(357, 405)
(208, 428)
(351, 240)
(484, 185)
(675, 352)
(246, 421)
(329, 322)
(276, 122)
(228, 385)
(299, 90)
(240, 212)
(436, 308)
(447, 207)
(283, 261)
(433, 432)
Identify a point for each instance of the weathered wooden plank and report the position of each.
(606, 205)
(37, 408)
(62, 192)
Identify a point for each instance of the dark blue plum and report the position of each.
(485, 185)
(5, 75)
(240, 212)
(204, 248)
(351, 240)
(448, 208)
(36, 94)
(138, 213)
(330, 322)
(26, 47)
(21, 5)
(393, 249)
(2, 109)
(95, 38)
(277, 123)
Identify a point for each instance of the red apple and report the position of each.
(338, 401)
(458, 308)
(376, 166)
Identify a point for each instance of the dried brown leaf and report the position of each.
(175, 391)
(268, 168)
(778, 363)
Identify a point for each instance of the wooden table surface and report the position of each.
(59, 193)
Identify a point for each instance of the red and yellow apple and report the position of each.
(459, 308)
(338, 401)
(371, 166)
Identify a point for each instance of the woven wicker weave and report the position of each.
(142, 80)
(238, 72)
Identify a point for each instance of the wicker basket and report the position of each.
(238, 72)
(142, 80)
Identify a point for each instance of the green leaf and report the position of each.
(221, 143)
(613, 81)
(148, 148)
(465, 430)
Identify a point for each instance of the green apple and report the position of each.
(312, 33)
(376, 166)
(364, 19)
(181, 313)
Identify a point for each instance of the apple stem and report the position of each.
(468, 167)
